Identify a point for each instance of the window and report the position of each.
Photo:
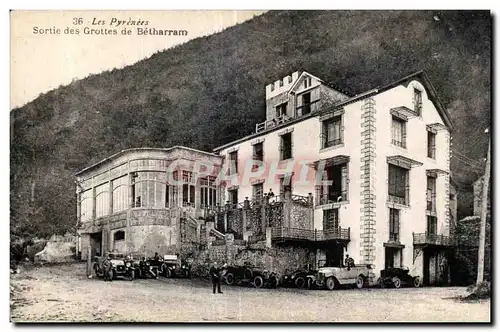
(102, 200)
(431, 225)
(331, 219)
(307, 82)
(306, 103)
(285, 185)
(431, 194)
(188, 194)
(272, 87)
(332, 132)
(393, 225)
(281, 83)
(286, 146)
(281, 110)
(431, 145)
(398, 132)
(119, 236)
(148, 189)
(258, 152)
(120, 194)
(417, 101)
(208, 192)
(168, 202)
(86, 199)
(258, 191)
(336, 191)
(233, 162)
(233, 196)
(289, 79)
(398, 185)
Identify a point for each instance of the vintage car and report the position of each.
(301, 278)
(146, 270)
(333, 277)
(250, 275)
(121, 266)
(173, 267)
(397, 278)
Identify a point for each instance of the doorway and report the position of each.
(96, 244)
(334, 256)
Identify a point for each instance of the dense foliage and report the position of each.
(210, 91)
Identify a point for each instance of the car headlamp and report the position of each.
(127, 264)
(183, 266)
(173, 267)
(293, 277)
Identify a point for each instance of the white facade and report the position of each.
(360, 136)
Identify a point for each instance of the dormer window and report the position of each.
(307, 82)
(306, 103)
(281, 83)
(289, 79)
(272, 87)
(417, 101)
(281, 110)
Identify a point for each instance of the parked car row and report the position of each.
(132, 267)
(326, 277)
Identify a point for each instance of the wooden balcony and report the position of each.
(272, 123)
(425, 239)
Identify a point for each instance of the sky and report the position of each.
(41, 62)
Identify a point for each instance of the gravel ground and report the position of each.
(63, 293)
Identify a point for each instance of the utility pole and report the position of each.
(484, 213)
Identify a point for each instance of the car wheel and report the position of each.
(131, 275)
(330, 283)
(360, 282)
(229, 279)
(168, 273)
(258, 282)
(416, 282)
(396, 282)
(300, 282)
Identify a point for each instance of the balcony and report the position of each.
(268, 124)
(424, 239)
(331, 197)
(294, 234)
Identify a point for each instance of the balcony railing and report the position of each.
(435, 239)
(397, 200)
(331, 197)
(278, 233)
(272, 123)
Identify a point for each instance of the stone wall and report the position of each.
(235, 223)
(282, 259)
(301, 216)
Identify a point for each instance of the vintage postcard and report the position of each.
(250, 166)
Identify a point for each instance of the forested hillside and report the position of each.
(210, 91)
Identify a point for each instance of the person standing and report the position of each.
(215, 274)
(107, 267)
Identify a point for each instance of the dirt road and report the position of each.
(63, 293)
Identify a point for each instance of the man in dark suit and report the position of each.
(215, 274)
